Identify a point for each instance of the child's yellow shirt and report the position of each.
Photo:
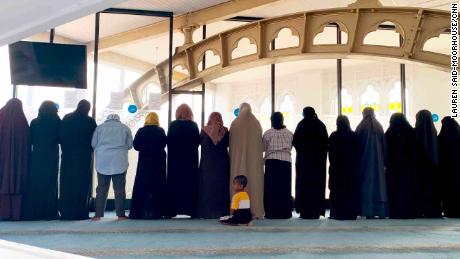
(240, 201)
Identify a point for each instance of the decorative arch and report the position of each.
(371, 37)
(212, 59)
(438, 36)
(245, 46)
(318, 39)
(416, 25)
(289, 34)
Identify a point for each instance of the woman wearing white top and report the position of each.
(277, 147)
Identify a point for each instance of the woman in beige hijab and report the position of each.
(246, 157)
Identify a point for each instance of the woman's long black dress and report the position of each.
(429, 192)
(43, 182)
(449, 164)
(310, 141)
(213, 178)
(277, 189)
(149, 196)
(76, 133)
(401, 170)
(344, 166)
(182, 177)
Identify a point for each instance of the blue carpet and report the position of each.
(294, 238)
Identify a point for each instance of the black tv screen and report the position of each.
(48, 64)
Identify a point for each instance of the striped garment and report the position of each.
(278, 144)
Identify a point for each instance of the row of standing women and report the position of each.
(401, 173)
(29, 162)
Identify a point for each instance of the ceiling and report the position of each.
(175, 6)
(115, 23)
(45, 14)
(109, 24)
(20, 19)
(292, 6)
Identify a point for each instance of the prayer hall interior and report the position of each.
(339, 57)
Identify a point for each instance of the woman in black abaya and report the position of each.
(449, 164)
(344, 165)
(374, 199)
(14, 159)
(310, 141)
(182, 178)
(43, 187)
(214, 173)
(149, 198)
(427, 166)
(400, 168)
(75, 135)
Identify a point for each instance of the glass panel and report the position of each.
(194, 101)
(120, 68)
(373, 84)
(307, 83)
(225, 94)
(430, 91)
(6, 89)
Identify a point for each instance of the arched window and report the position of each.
(287, 107)
(347, 102)
(370, 98)
(265, 111)
(395, 98)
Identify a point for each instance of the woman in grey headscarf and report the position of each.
(374, 200)
(246, 157)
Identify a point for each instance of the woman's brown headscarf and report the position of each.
(184, 112)
(215, 128)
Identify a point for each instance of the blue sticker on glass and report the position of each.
(132, 108)
(236, 112)
(435, 117)
(57, 105)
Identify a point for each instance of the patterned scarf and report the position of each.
(215, 128)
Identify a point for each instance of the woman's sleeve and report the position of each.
(129, 138)
(265, 141)
(94, 140)
(235, 202)
(137, 142)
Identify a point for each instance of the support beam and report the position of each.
(96, 60)
(204, 16)
(125, 61)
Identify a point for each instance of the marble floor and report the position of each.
(293, 238)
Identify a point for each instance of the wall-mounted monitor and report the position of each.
(48, 64)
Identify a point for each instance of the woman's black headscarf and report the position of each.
(343, 124)
(277, 120)
(48, 110)
(399, 121)
(427, 134)
(83, 107)
(309, 112)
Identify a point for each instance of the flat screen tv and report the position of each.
(48, 64)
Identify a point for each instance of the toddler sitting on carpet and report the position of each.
(240, 210)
